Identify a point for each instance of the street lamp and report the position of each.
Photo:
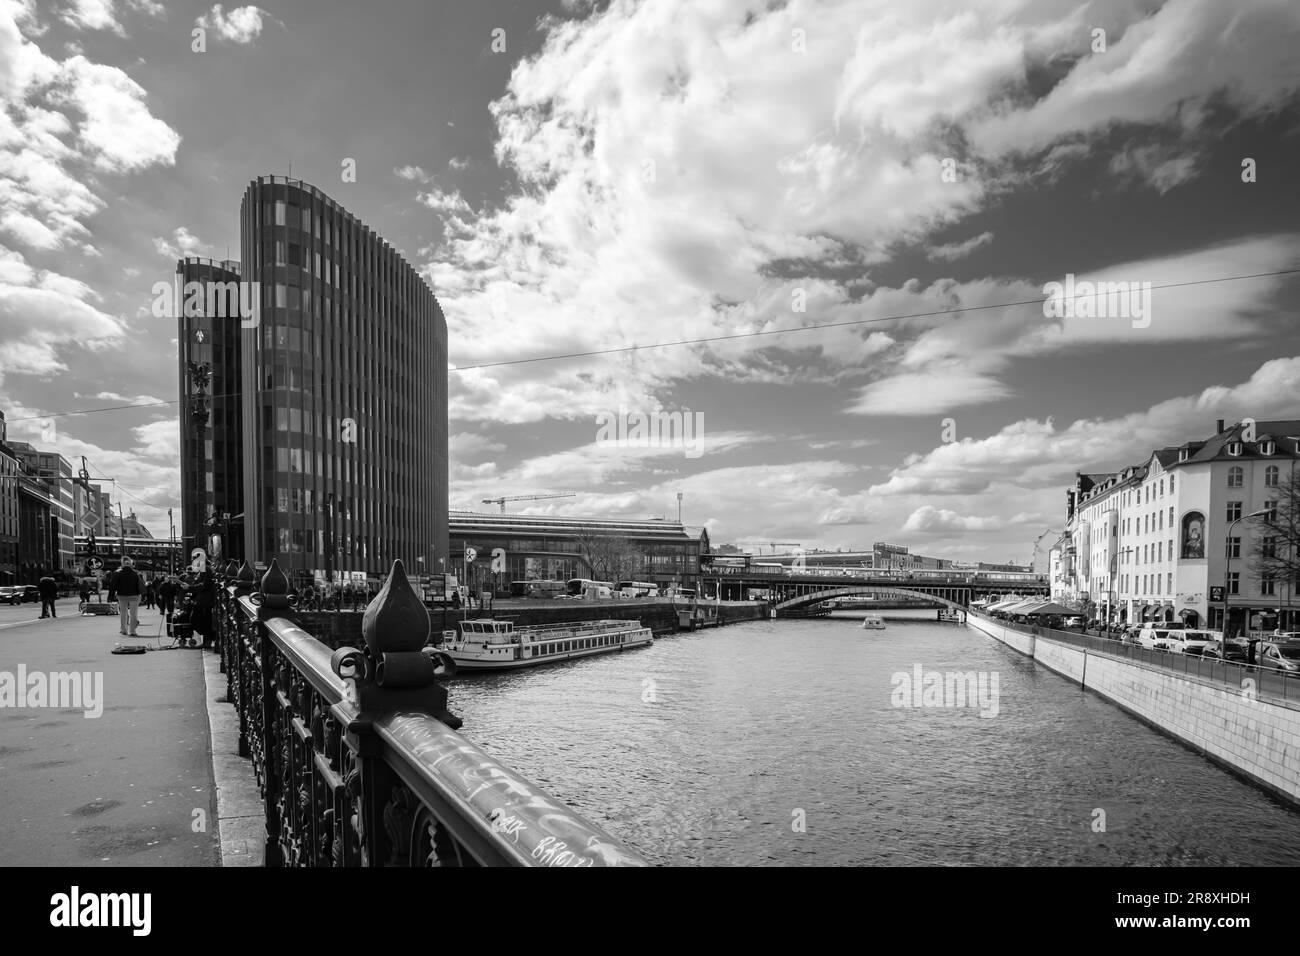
(1228, 568)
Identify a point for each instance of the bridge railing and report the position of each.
(919, 576)
(1280, 684)
(356, 755)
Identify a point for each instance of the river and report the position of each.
(780, 743)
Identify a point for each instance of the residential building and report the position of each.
(1169, 538)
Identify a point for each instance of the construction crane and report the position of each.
(502, 501)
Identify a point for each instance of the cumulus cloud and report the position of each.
(413, 173)
(183, 243)
(656, 193)
(63, 121)
(240, 25)
(928, 519)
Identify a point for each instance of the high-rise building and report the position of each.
(209, 332)
(342, 372)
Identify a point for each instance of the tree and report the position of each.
(611, 557)
(1275, 552)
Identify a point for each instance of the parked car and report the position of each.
(1073, 620)
(1279, 656)
(6, 594)
(22, 594)
(1238, 651)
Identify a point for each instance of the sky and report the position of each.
(858, 204)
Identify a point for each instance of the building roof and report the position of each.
(1284, 433)
(467, 522)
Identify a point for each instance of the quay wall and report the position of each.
(1256, 738)
(343, 628)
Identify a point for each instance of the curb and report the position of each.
(241, 814)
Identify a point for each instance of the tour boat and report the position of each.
(498, 645)
(873, 622)
(949, 615)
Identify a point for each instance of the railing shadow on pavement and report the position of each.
(1267, 682)
(357, 756)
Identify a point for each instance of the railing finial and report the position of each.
(273, 597)
(396, 621)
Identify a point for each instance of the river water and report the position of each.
(780, 743)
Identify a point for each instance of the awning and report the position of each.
(1050, 607)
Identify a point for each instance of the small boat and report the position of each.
(873, 622)
(949, 615)
(487, 644)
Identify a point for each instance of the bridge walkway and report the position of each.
(120, 789)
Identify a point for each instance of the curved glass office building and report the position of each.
(344, 392)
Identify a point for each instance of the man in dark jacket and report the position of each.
(49, 589)
(125, 587)
(167, 592)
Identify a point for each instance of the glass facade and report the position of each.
(209, 334)
(344, 391)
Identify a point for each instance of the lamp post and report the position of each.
(1227, 576)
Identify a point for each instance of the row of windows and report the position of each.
(586, 643)
(1237, 476)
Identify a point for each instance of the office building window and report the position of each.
(1235, 476)
(1234, 582)
(1233, 548)
(1234, 510)
(1270, 476)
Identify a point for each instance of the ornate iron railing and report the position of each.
(356, 755)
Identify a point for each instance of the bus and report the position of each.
(542, 590)
(578, 587)
(635, 589)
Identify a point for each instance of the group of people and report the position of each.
(194, 595)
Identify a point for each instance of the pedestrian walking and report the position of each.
(125, 586)
(49, 590)
(84, 591)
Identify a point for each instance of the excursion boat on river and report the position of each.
(488, 645)
(873, 622)
(950, 616)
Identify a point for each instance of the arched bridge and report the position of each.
(816, 597)
(790, 588)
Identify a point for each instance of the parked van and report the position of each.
(1189, 641)
(1279, 656)
(1154, 636)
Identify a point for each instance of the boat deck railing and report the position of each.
(581, 627)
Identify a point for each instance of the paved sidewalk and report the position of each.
(133, 787)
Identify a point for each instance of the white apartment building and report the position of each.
(1165, 539)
